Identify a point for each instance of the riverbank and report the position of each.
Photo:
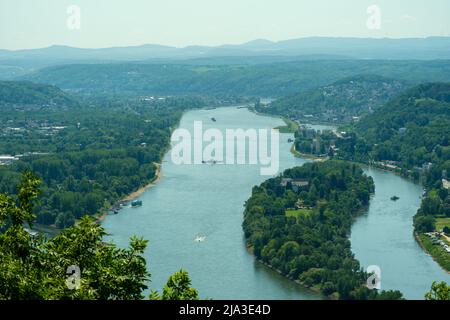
(138, 192)
(280, 249)
(179, 208)
(436, 252)
(158, 174)
(306, 155)
(135, 194)
(290, 127)
(314, 289)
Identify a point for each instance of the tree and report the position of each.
(446, 230)
(439, 291)
(76, 264)
(424, 223)
(178, 287)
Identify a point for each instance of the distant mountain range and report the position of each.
(260, 80)
(258, 51)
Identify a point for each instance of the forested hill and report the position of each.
(262, 80)
(341, 100)
(24, 92)
(411, 129)
(423, 102)
(411, 134)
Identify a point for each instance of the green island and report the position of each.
(299, 223)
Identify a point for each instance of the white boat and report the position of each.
(200, 238)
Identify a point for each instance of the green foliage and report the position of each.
(312, 248)
(37, 268)
(411, 130)
(446, 230)
(412, 133)
(439, 291)
(290, 127)
(178, 287)
(423, 223)
(91, 155)
(339, 101)
(28, 93)
(310, 141)
(265, 79)
(437, 251)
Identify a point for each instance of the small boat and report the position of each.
(213, 119)
(290, 140)
(200, 238)
(136, 203)
(211, 161)
(394, 198)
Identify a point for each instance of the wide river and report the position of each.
(208, 200)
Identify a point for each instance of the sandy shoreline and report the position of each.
(137, 193)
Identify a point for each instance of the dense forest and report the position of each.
(261, 80)
(342, 101)
(299, 224)
(88, 155)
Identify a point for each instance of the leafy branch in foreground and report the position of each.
(37, 268)
(178, 287)
(439, 291)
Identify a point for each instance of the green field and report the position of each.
(441, 223)
(298, 213)
(290, 127)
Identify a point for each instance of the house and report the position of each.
(7, 159)
(446, 184)
(296, 184)
(284, 181)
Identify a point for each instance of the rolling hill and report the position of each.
(28, 93)
(261, 80)
(340, 101)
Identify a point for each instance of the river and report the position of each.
(384, 237)
(208, 200)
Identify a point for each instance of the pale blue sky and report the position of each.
(105, 23)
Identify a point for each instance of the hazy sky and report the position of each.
(105, 23)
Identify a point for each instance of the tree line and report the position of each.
(303, 232)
